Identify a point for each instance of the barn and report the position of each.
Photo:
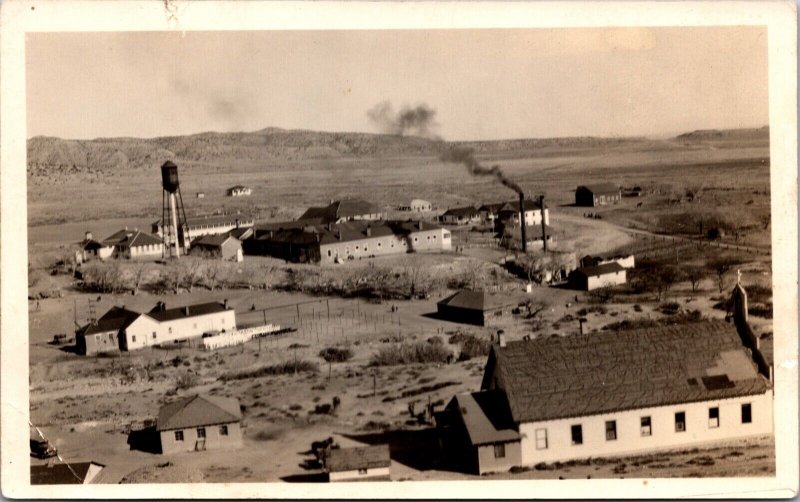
(475, 307)
(199, 422)
(600, 194)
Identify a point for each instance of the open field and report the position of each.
(85, 403)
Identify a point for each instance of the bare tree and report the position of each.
(138, 276)
(194, 272)
(212, 274)
(721, 266)
(694, 275)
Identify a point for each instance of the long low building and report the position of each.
(124, 329)
(212, 224)
(612, 393)
(350, 240)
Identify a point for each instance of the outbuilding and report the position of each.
(460, 216)
(225, 247)
(475, 307)
(199, 422)
(600, 194)
(368, 463)
(599, 276)
(102, 335)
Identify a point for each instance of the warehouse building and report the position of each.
(212, 224)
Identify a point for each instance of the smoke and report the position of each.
(466, 156)
(416, 121)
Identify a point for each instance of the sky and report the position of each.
(483, 84)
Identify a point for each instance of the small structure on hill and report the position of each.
(475, 307)
(368, 463)
(599, 276)
(200, 195)
(239, 191)
(199, 422)
(600, 194)
(223, 246)
(76, 473)
(417, 206)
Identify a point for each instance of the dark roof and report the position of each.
(115, 319)
(91, 244)
(215, 240)
(198, 410)
(597, 270)
(350, 459)
(347, 231)
(477, 300)
(461, 211)
(345, 208)
(240, 232)
(486, 417)
(612, 371)
(238, 187)
(602, 188)
(186, 311)
(496, 207)
(131, 238)
(60, 474)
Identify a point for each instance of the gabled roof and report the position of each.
(197, 411)
(477, 300)
(598, 270)
(298, 233)
(611, 371)
(529, 204)
(461, 211)
(345, 208)
(90, 244)
(486, 417)
(116, 319)
(186, 311)
(351, 459)
(241, 232)
(602, 188)
(214, 240)
(239, 187)
(61, 474)
(131, 238)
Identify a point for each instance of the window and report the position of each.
(329, 253)
(223, 430)
(201, 433)
(133, 338)
(713, 417)
(680, 421)
(747, 413)
(611, 430)
(169, 330)
(154, 335)
(577, 434)
(500, 450)
(541, 439)
(362, 471)
(178, 435)
(379, 244)
(194, 325)
(647, 429)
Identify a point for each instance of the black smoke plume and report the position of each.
(416, 121)
(466, 156)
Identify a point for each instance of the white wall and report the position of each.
(629, 438)
(606, 280)
(148, 251)
(429, 240)
(178, 329)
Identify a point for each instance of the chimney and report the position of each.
(88, 235)
(369, 231)
(544, 225)
(581, 320)
(501, 338)
(739, 301)
(522, 222)
(225, 303)
(237, 222)
(186, 310)
(162, 306)
(419, 224)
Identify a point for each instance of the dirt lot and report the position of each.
(83, 404)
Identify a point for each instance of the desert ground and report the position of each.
(85, 404)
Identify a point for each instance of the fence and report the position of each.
(239, 336)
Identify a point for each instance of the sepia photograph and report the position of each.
(473, 254)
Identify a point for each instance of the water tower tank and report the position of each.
(169, 177)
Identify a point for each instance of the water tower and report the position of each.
(173, 225)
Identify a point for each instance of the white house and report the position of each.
(134, 244)
(599, 276)
(460, 216)
(162, 325)
(417, 206)
(509, 211)
(619, 393)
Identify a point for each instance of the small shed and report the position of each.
(225, 246)
(239, 191)
(599, 276)
(475, 307)
(369, 463)
(600, 194)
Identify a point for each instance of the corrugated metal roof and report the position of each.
(351, 459)
(197, 411)
(609, 371)
(486, 417)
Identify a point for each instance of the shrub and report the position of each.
(410, 353)
(435, 340)
(670, 308)
(471, 346)
(335, 354)
(186, 381)
(286, 368)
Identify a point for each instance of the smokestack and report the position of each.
(522, 222)
(501, 338)
(544, 226)
(88, 235)
(225, 303)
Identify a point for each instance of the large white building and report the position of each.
(610, 394)
(509, 211)
(212, 224)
